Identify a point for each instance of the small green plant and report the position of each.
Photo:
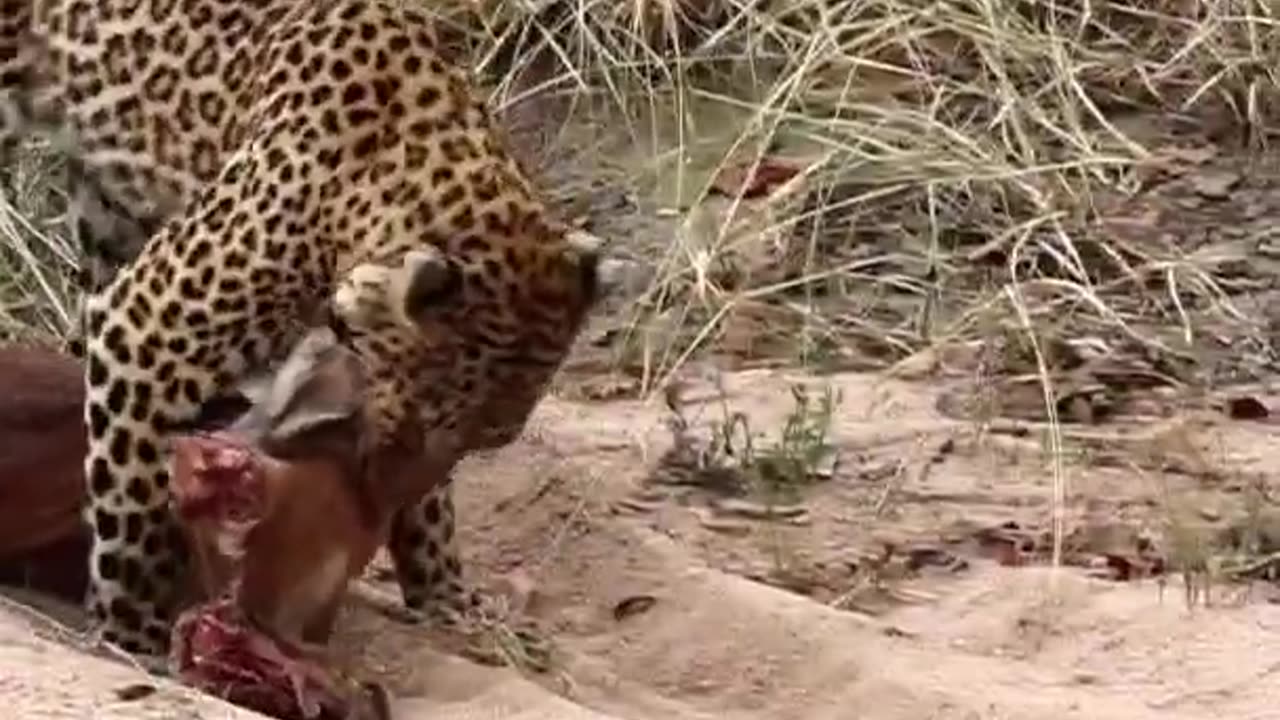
(1191, 555)
(802, 452)
(799, 454)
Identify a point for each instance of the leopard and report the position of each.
(250, 161)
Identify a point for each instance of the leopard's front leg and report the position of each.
(138, 558)
(425, 554)
(160, 340)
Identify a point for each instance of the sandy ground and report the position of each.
(570, 512)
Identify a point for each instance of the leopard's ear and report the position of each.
(426, 280)
(599, 274)
(314, 404)
(582, 251)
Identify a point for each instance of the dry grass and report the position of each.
(37, 262)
